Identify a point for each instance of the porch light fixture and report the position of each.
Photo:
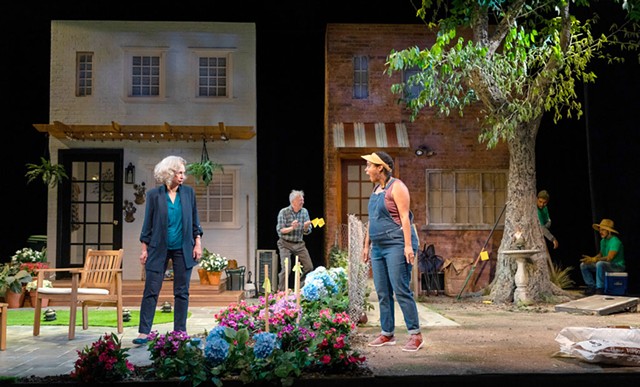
(422, 150)
(129, 174)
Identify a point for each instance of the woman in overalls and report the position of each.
(391, 244)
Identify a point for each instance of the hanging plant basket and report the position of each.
(203, 171)
(51, 174)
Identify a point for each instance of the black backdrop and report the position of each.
(290, 89)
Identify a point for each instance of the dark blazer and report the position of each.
(154, 227)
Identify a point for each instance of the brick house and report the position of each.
(457, 186)
(124, 95)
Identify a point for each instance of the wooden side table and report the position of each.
(3, 326)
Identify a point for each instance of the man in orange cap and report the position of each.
(610, 258)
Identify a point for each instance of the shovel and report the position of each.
(475, 263)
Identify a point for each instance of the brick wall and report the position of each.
(453, 138)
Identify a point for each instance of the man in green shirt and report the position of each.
(610, 258)
(543, 216)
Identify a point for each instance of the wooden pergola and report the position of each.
(164, 132)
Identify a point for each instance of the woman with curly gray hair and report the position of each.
(170, 231)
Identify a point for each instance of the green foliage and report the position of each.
(338, 257)
(561, 276)
(312, 335)
(203, 171)
(527, 65)
(104, 361)
(176, 354)
(13, 278)
(51, 174)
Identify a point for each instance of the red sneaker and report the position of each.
(414, 344)
(383, 340)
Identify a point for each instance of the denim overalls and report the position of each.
(391, 272)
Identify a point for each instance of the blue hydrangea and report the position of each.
(216, 350)
(266, 342)
(340, 278)
(310, 291)
(217, 332)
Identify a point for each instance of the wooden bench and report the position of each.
(3, 326)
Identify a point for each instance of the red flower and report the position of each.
(33, 267)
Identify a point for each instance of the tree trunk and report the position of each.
(521, 216)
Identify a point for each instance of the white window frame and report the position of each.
(84, 74)
(490, 201)
(129, 54)
(202, 198)
(226, 53)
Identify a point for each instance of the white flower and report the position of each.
(28, 255)
(213, 261)
(33, 285)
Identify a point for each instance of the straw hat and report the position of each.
(605, 224)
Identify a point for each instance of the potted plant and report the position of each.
(203, 171)
(213, 264)
(30, 260)
(51, 174)
(29, 255)
(12, 281)
(32, 288)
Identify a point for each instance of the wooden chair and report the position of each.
(99, 282)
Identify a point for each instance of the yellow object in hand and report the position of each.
(588, 259)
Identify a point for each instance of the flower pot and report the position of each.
(32, 295)
(204, 279)
(14, 300)
(214, 277)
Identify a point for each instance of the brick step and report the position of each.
(199, 294)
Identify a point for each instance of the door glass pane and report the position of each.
(77, 255)
(92, 233)
(353, 172)
(106, 215)
(106, 234)
(93, 171)
(93, 191)
(77, 171)
(353, 189)
(353, 206)
(92, 212)
(76, 235)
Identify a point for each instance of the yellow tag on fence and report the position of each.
(484, 255)
(318, 222)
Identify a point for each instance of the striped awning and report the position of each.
(370, 135)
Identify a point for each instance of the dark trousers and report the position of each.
(153, 284)
(291, 250)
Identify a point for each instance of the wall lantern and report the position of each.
(422, 150)
(129, 174)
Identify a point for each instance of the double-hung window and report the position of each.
(214, 73)
(465, 199)
(218, 202)
(84, 74)
(360, 77)
(145, 69)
